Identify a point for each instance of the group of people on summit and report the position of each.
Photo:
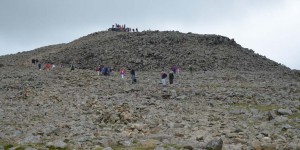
(118, 27)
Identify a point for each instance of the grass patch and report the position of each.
(294, 116)
(20, 148)
(137, 147)
(265, 108)
(56, 148)
(258, 107)
(166, 146)
(8, 146)
(214, 86)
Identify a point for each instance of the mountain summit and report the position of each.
(152, 50)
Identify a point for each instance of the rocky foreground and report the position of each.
(225, 110)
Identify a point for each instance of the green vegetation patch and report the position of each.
(294, 116)
(57, 148)
(8, 146)
(166, 146)
(258, 107)
(20, 148)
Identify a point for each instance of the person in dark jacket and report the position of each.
(40, 66)
(171, 77)
(163, 78)
(132, 73)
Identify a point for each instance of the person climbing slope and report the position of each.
(171, 77)
(122, 73)
(163, 78)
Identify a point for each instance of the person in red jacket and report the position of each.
(47, 66)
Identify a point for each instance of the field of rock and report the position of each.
(63, 109)
(234, 99)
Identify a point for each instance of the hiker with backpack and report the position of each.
(163, 78)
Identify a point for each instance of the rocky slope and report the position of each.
(230, 106)
(80, 110)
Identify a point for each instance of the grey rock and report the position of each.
(182, 97)
(30, 139)
(173, 93)
(57, 144)
(30, 148)
(293, 146)
(282, 111)
(216, 144)
(125, 143)
(159, 148)
(280, 119)
(271, 115)
(286, 127)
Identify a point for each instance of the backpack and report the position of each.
(164, 75)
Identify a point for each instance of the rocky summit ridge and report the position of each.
(151, 50)
(233, 100)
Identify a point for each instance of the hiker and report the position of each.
(40, 66)
(72, 67)
(177, 70)
(163, 78)
(103, 70)
(191, 69)
(171, 77)
(132, 72)
(47, 66)
(136, 30)
(98, 70)
(33, 61)
(174, 68)
(106, 71)
(122, 73)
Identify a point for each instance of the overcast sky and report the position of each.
(269, 27)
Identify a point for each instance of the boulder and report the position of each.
(282, 111)
(57, 144)
(271, 115)
(173, 93)
(216, 144)
(182, 97)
